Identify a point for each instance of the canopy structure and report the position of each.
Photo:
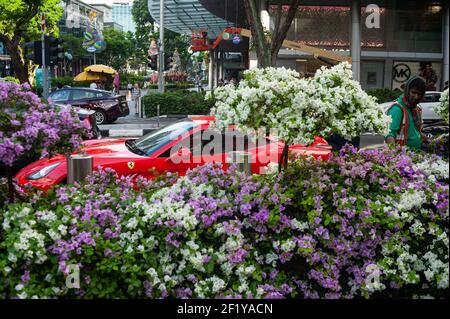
(89, 76)
(184, 16)
(100, 68)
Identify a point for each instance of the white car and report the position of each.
(430, 99)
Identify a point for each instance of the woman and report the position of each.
(136, 95)
(116, 83)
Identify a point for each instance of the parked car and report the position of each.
(89, 117)
(430, 99)
(189, 139)
(108, 106)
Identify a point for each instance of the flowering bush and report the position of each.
(28, 126)
(299, 109)
(442, 108)
(312, 233)
(378, 222)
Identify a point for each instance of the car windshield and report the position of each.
(152, 142)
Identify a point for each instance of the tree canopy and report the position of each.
(20, 22)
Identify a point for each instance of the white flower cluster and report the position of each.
(409, 200)
(434, 168)
(442, 107)
(298, 109)
(28, 244)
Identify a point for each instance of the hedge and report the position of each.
(176, 103)
(384, 95)
(173, 86)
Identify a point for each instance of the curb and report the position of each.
(125, 133)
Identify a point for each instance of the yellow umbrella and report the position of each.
(88, 76)
(100, 68)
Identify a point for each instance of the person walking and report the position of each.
(130, 89)
(116, 83)
(136, 95)
(406, 125)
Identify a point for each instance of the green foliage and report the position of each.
(12, 79)
(119, 48)
(68, 80)
(126, 78)
(173, 86)
(72, 44)
(176, 103)
(384, 95)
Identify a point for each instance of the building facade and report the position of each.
(388, 40)
(398, 39)
(121, 13)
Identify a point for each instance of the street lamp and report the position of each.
(161, 48)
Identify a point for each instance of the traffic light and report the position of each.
(168, 61)
(54, 51)
(33, 51)
(152, 62)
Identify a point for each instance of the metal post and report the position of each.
(211, 69)
(95, 59)
(161, 47)
(44, 69)
(243, 161)
(157, 113)
(446, 52)
(356, 39)
(78, 167)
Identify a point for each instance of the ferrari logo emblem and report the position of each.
(130, 165)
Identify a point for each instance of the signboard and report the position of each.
(38, 78)
(199, 40)
(431, 72)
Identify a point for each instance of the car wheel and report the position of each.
(100, 117)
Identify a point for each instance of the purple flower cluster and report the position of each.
(30, 126)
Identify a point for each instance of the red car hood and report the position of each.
(108, 148)
(104, 152)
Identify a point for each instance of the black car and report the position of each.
(108, 106)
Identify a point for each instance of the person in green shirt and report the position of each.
(406, 125)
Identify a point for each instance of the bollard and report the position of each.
(243, 161)
(78, 167)
(157, 113)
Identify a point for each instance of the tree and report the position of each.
(20, 22)
(144, 34)
(119, 48)
(267, 47)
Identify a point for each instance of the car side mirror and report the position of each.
(182, 155)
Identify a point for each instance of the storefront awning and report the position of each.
(184, 16)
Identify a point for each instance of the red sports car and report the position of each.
(175, 148)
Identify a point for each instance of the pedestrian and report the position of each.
(93, 86)
(137, 98)
(430, 76)
(116, 83)
(445, 85)
(406, 125)
(59, 86)
(129, 88)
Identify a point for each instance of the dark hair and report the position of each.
(419, 84)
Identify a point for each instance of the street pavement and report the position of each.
(133, 125)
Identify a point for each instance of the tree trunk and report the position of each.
(267, 54)
(259, 39)
(18, 63)
(283, 162)
(11, 189)
(281, 30)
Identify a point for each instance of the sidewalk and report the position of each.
(135, 126)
